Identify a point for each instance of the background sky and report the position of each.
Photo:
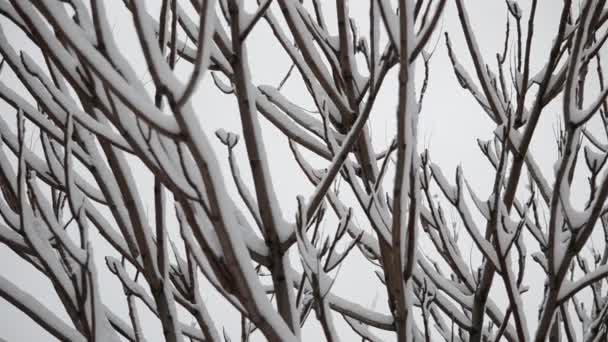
(450, 123)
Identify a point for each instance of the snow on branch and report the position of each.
(92, 153)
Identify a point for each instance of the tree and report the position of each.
(97, 122)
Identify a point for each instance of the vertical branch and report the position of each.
(523, 87)
(406, 188)
(346, 52)
(161, 230)
(268, 205)
(480, 66)
(520, 156)
(203, 49)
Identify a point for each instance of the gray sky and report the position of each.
(450, 123)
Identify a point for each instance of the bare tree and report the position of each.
(94, 118)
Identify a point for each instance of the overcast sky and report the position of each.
(451, 121)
